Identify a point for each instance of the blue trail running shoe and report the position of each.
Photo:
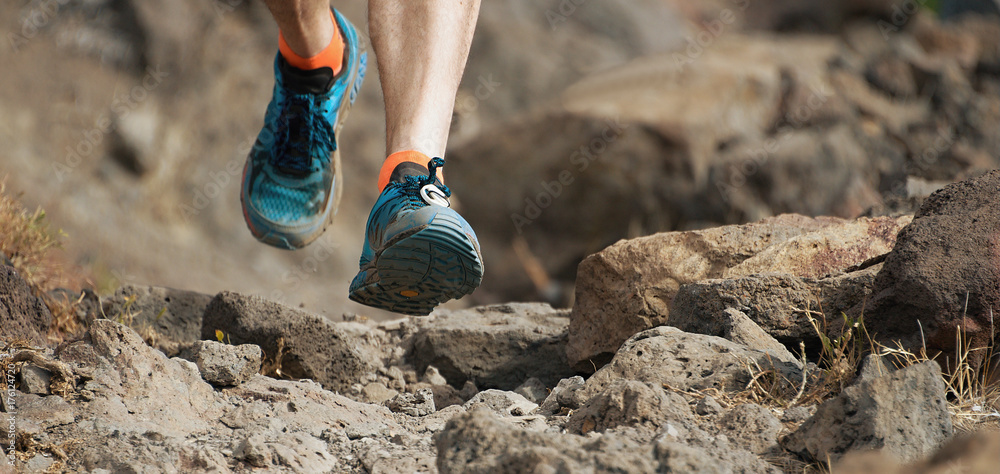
(418, 252)
(292, 179)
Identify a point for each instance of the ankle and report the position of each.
(314, 57)
(404, 163)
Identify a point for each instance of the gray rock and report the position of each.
(148, 413)
(797, 414)
(477, 442)
(38, 463)
(310, 346)
(904, 413)
(872, 367)
(708, 406)
(23, 316)
(630, 403)
(775, 301)
(497, 346)
(225, 365)
(752, 427)
(35, 380)
(174, 314)
(501, 402)
(563, 395)
(533, 389)
(668, 356)
(420, 403)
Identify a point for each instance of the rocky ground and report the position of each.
(698, 351)
(672, 159)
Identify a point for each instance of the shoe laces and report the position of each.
(424, 190)
(302, 128)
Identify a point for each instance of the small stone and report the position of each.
(532, 389)
(468, 390)
(433, 376)
(420, 403)
(225, 365)
(35, 380)
(797, 414)
(38, 463)
(501, 402)
(376, 392)
(254, 451)
(564, 395)
(708, 406)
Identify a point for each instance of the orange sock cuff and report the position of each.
(395, 159)
(332, 56)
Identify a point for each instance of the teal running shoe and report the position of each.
(292, 179)
(418, 252)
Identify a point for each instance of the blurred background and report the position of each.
(579, 122)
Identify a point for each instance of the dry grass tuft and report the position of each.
(34, 250)
(973, 391)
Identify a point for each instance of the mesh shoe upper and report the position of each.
(289, 181)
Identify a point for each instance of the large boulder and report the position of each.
(300, 344)
(23, 316)
(498, 346)
(631, 285)
(904, 413)
(944, 273)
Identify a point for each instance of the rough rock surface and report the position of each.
(23, 316)
(752, 426)
(188, 425)
(944, 271)
(563, 395)
(307, 346)
(419, 403)
(501, 403)
(497, 346)
(630, 286)
(667, 356)
(174, 314)
(223, 364)
(630, 403)
(778, 302)
(873, 415)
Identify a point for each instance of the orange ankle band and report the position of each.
(395, 159)
(332, 56)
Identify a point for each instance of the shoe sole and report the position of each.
(437, 263)
(292, 240)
